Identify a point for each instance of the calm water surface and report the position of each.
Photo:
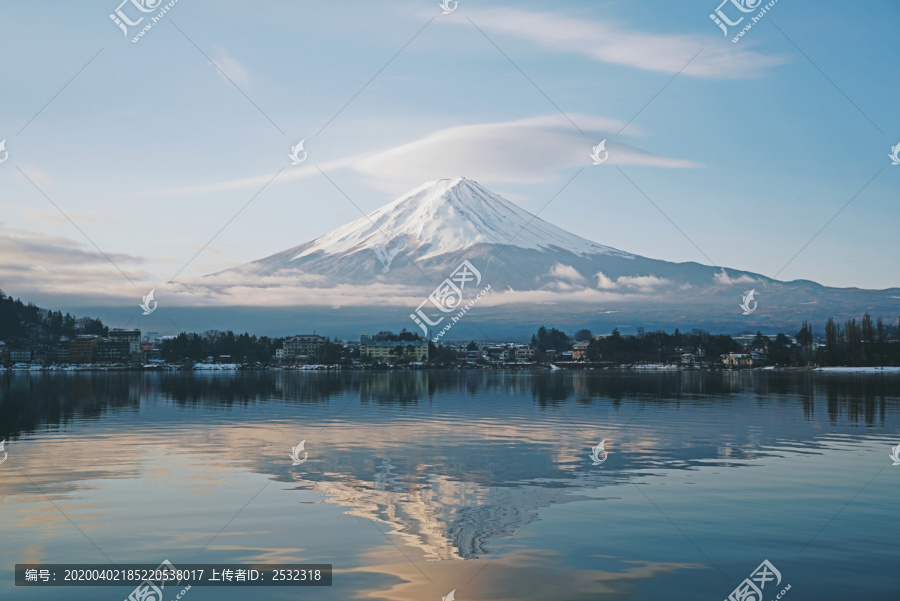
(420, 483)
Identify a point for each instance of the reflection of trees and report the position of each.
(33, 401)
(551, 390)
(858, 398)
(29, 400)
(393, 388)
(229, 388)
(223, 389)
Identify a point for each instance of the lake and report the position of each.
(421, 483)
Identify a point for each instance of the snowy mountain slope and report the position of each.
(436, 218)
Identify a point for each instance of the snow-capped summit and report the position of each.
(437, 218)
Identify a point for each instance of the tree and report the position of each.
(805, 340)
(852, 341)
(782, 350)
(583, 335)
(408, 336)
(832, 351)
(760, 343)
(880, 337)
(867, 340)
(553, 339)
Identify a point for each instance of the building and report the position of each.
(62, 350)
(579, 351)
(81, 348)
(111, 351)
(737, 360)
(524, 353)
(304, 346)
(389, 351)
(494, 352)
(20, 355)
(132, 337)
(469, 356)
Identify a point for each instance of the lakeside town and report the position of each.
(32, 338)
(118, 348)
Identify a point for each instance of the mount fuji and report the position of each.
(381, 266)
(440, 222)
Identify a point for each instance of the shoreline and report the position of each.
(230, 368)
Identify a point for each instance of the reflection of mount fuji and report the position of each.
(448, 462)
(445, 518)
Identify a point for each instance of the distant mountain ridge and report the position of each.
(411, 244)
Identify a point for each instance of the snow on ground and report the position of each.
(858, 370)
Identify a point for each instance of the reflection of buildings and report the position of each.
(391, 388)
(305, 387)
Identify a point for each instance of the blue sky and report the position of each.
(750, 150)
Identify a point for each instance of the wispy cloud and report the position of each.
(566, 272)
(36, 263)
(229, 65)
(529, 150)
(723, 279)
(611, 42)
(53, 218)
(640, 283)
